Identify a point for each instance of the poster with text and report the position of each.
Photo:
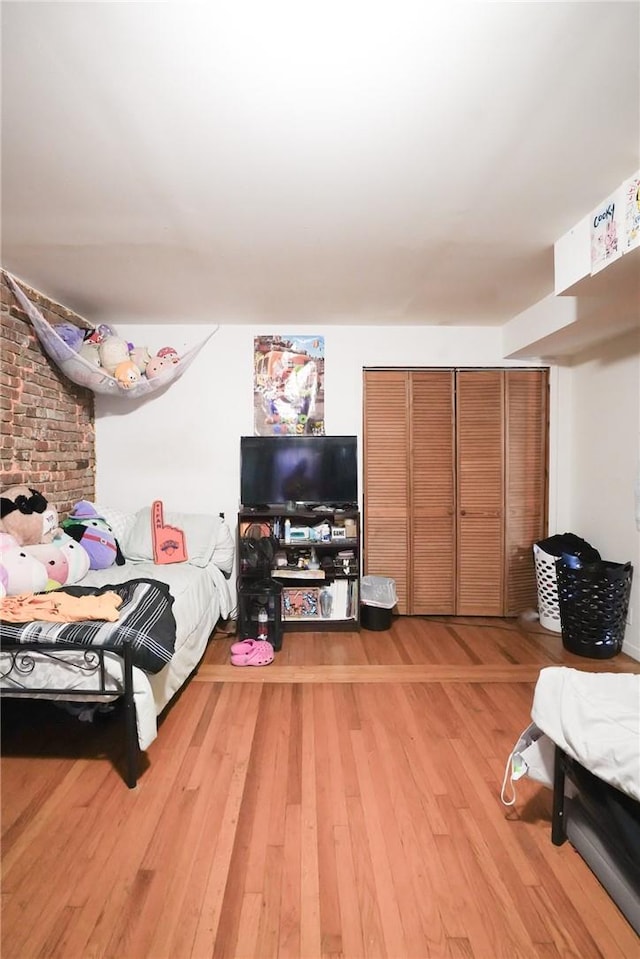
(288, 385)
(631, 236)
(606, 230)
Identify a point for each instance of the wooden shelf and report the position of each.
(342, 543)
(318, 624)
(301, 587)
(298, 573)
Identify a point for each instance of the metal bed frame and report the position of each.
(571, 821)
(24, 659)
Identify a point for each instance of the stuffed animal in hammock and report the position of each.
(92, 531)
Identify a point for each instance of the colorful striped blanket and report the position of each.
(145, 618)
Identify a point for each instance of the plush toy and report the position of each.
(71, 334)
(53, 561)
(140, 356)
(155, 366)
(76, 556)
(63, 561)
(168, 353)
(26, 514)
(92, 531)
(90, 352)
(100, 334)
(19, 572)
(127, 374)
(113, 351)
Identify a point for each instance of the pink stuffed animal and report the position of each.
(19, 572)
(168, 353)
(54, 562)
(155, 366)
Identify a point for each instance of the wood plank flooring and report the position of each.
(341, 802)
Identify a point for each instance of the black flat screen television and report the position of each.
(305, 470)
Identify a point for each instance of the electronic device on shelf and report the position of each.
(306, 471)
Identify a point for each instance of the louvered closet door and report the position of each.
(386, 478)
(480, 492)
(432, 565)
(526, 393)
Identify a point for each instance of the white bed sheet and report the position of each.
(201, 597)
(595, 719)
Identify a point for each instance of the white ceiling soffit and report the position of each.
(309, 163)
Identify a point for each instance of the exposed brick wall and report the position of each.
(48, 436)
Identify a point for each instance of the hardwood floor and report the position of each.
(341, 802)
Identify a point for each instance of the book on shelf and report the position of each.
(339, 589)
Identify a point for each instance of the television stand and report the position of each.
(313, 552)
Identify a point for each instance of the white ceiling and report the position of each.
(309, 162)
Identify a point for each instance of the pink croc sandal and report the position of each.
(243, 646)
(260, 654)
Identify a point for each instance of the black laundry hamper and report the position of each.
(594, 601)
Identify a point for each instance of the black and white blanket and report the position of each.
(145, 618)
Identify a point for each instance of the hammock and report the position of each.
(81, 371)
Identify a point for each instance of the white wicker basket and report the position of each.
(548, 605)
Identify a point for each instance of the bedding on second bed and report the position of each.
(595, 719)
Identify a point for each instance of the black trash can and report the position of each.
(594, 601)
(378, 597)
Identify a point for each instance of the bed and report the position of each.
(594, 721)
(37, 661)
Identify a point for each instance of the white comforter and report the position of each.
(201, 596)
(595, 719)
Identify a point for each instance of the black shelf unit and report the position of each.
(262, 545)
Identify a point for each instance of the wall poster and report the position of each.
(606, 229)
(288, 385)
(631, 188)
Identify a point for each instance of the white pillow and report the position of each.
(225, 551)
(200, 533)
(119, 520)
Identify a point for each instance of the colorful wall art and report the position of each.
(288, 385)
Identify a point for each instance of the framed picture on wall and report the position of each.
(288, 385)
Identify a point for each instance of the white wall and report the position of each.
(600, 460)
(182, 445)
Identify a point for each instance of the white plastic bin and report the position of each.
(378, 591)
(378, 597)
(547, 583)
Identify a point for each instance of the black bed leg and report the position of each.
(558, 831)
(131, 729)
